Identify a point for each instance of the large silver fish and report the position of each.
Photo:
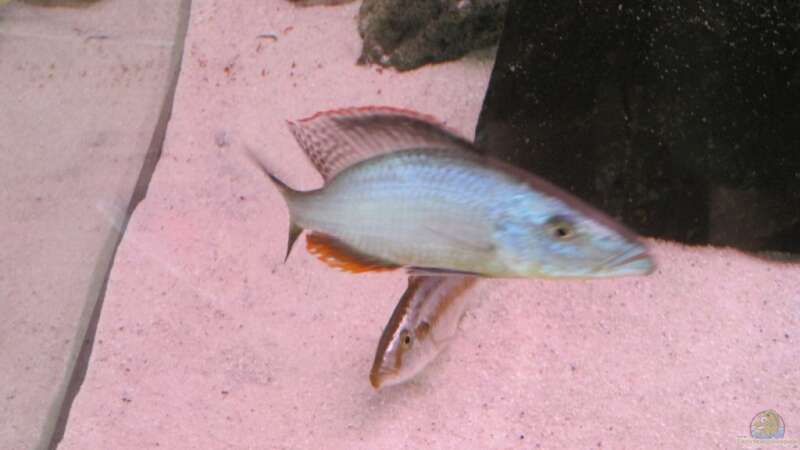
(424, 321)
(403, 191)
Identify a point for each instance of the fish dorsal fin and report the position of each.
(337, 139)
(336, 253)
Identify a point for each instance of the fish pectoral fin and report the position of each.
(441, 343)
(336, 253)
(476, 245)
(435, 271)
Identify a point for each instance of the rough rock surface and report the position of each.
(406, 34)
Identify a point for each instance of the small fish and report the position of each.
(422, 324)
(402, 191)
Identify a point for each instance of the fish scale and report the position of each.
(419, 195)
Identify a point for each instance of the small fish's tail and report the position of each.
(287, 193)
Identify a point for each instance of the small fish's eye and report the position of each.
(560, 228)
(405, 338)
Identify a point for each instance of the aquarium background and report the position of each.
(145, 298)
(678, 117)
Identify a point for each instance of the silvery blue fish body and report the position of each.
(402, 191)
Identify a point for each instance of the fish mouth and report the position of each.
(384, 377)
(376, 379)
(636, 261)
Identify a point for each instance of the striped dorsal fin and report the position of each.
(337, 139)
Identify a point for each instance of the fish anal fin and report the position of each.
(337, 254)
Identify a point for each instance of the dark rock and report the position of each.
(682, 118)
(407, 34)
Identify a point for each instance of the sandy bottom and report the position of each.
(208, 340)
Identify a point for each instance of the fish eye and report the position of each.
(560, 228)
(405, 338)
